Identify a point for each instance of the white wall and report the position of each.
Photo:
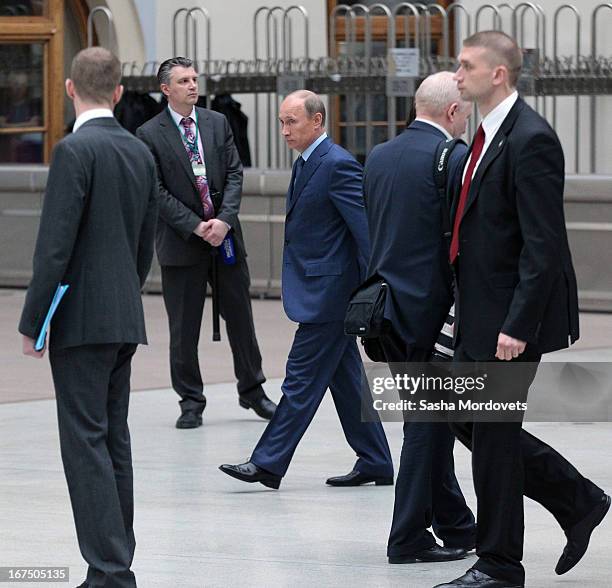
(128, 30)
(232, 25)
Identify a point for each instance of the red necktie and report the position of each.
(477, 146)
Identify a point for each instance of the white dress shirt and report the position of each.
(308, 151)
(491, 124)
(90, 115)
(435, 125)
(177, 118)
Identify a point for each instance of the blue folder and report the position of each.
(42, 336)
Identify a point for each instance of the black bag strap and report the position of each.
(443, 153)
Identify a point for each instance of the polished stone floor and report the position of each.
(196, 527)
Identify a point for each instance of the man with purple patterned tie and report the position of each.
(200, 184)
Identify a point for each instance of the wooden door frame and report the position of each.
(49, 30)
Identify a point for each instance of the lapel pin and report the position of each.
(501, 143)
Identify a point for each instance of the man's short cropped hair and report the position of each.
(503, 50)
(312, 103)
(163, 73)
(95, 73)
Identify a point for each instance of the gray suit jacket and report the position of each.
(96, 235)
(180, 208)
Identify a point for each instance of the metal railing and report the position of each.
(365, 80)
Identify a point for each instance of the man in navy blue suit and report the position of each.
(324, 260)
(410, 252)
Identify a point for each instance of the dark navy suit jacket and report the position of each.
(515, 273)
(405, 222)
(326, 237)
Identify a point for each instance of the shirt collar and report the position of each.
(435, 125)
(308, 151)
(177, 118)
(495, 118)
(89, 115)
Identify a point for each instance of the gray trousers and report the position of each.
(92, 386)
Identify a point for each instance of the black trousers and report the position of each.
(92, 387)
(184, 291)
(427, 493)
(507, 463)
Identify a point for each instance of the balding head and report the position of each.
(435, 94)
(437, 99)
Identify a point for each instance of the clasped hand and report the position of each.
(212, 231)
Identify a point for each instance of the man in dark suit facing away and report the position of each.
(410, 252)
(200, 186)
(324, 260)
(96, 235)
(516, 299)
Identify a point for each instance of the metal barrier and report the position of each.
(190, 41)
(371, 88)
(111, 37)
(191, 33)
(289, 73)
(594, 56)
(576, 13)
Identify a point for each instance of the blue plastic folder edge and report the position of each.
(59, 293)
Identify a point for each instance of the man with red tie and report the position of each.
(200, 185)
(516, 299)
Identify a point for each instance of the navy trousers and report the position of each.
(322, 357)
(427, 493)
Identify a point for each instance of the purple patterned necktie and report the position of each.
(194, 157)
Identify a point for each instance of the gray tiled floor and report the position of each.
(196, 527)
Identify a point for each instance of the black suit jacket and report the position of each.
(96, 235)
(405, 223)
(180, 207)
(514, 270)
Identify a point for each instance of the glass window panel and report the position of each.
(379, 135)
(21, 85)
(23, 7)
(21, 148)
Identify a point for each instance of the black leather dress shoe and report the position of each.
(579, 535)
(190, 419)
(261, 404)
(431, 554)
(355, 478)
(249, 472)
(475, 579)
